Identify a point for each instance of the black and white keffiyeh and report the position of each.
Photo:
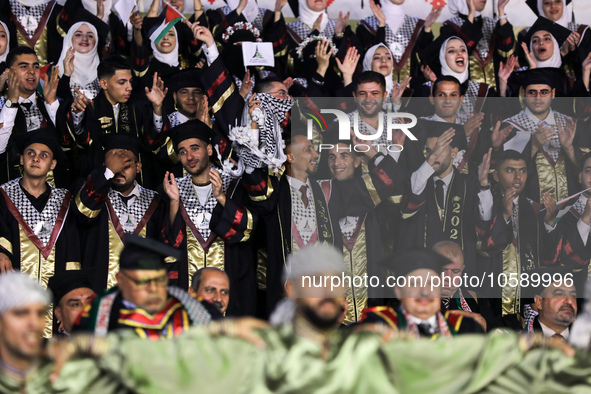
(25, 14)
(130, 216)
(264, 146)
(33, 115)
(197, 312)
(200, 212)
(303, 217)
(42, 223)
(396, 41)
(303, 31)
(488, 25)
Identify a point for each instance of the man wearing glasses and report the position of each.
(142, 300)
(546, 137)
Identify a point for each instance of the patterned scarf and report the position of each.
(42, 223)
(302, 31)
(488, 26)
(303, 217)
(529, 315)
(198, 212)
(266, 148)
(23, 14)
(130, 216)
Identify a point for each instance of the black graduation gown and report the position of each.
(271, 200)
(421, 225)
(98, 121)
(26, 251)
(102, 232)
(231, 225)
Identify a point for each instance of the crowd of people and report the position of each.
(154, 178)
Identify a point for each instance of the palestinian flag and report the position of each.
(170, 17)
(564, 205)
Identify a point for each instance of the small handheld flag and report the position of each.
(171, 18)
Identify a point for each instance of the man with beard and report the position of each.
(545, 137)
(297, 211)
(212, 285)
(143, 301)
(211, 229)
(370, 93)
(556, 305)
(341, 360)
(420, 299)
(111, 204)
(38, 233)
(444, 204)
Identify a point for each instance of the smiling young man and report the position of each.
(114, 111)
(38, 235)
(111, 204)
(25, 109)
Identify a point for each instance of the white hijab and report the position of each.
(555, 61)
(32, 3)
(309, 17)
(3, 56)
(446, 70)
(368, 59)
(460, 7)
(566, 11)
(172, 58)
(251, 11)
(394, 15)
(90, 6)
(85, 64)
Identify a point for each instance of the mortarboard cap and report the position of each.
(191, 129)
(415, 258)
(120, 141)
(45, 136)
(559, 32)
(188, 78)
(145, 254)
(64, 282)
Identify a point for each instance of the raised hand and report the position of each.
(13, 85)
(499, 136)
(428, 73)
(473, 123)
(483, 168)
(571, 43)
(6, 264)
(434, 14)
(170, 187)
(100, 9)
(118, 160)
(531, 60)
(341, 23)
(50, 88)
(439, 150)
(379, 14)
(586, 218)
(217, 186)
(253, 103)
(370, 152)
(348, 65)
(246, 85)
(398, 90)
(288, 82)
(323, 53)
(241, 6)
(69, 62)
(279, 4)
(566, 136)
(317, 22)
(587, 71)
(551, 208)
(3, 79)
(201, 33)
(203, 111)
(543, 134)
(471, 10)
(136, 20)
(506, 69)
(157, 94)
(508, 198)
(80, 102)
(501, 6)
